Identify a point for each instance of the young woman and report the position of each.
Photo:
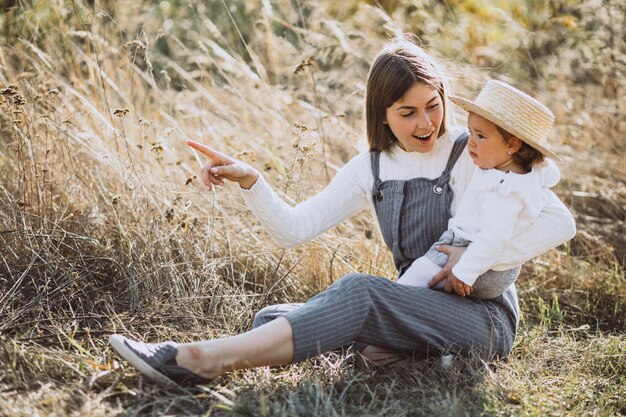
(412, 178)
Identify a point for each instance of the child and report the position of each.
(508, 135)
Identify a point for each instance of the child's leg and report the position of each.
(420, 272)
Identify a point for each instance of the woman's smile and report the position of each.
(424, 138)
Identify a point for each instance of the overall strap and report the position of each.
(455, 153)
(375, 162)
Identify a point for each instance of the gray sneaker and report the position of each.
(157, 361)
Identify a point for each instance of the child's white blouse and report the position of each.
(496, 207)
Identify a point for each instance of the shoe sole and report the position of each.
(117, 342)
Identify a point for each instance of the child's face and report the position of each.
(486, 146)
(416, 118)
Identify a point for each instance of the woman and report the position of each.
(412, 178)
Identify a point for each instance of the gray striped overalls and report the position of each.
(373, 310)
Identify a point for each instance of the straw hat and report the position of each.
(514, 111)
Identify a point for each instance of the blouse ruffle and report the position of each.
(525, 186)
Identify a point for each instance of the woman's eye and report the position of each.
(407, 115)
(433, 106)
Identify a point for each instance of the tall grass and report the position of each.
(105, 227)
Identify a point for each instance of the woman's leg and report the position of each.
(376, 311)
(272, 312)
(267, 345)
(359, 308)
(365, 309)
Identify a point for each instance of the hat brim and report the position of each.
(470, 106)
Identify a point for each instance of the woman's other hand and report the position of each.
(221, 166)
(453, 283)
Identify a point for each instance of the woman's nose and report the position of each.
(423, 122)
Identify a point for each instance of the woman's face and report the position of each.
(416, 118)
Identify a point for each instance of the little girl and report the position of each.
(508, 135)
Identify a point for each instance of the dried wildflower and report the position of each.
(121, 113)
(19, 100)
(10, 91)
(157, 148)
(167, 77)
(169, 215)
(190, 180)
(146, 123)
(308, 62)
(301, 128)
(137, 43)
(309, 149)
(81, 34)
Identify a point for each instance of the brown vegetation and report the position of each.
(105, 228)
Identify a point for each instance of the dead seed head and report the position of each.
(9, 91)
(121, 113)
(19, 100)
(165, 75)
(137, 43)
(306, 63)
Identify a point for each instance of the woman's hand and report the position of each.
(221, 166)
(453, 283)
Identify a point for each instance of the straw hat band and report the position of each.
(515, 112)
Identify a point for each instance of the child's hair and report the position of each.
(396, 68)
(526, 156)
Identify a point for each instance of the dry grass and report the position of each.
(104, 226)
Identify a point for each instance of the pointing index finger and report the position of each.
(203, 149)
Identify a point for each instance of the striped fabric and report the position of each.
(412, 214)
(373, 310)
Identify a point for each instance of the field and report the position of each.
(105, 227)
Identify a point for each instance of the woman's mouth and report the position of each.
(423, 138)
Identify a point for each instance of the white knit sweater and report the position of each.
(350, 191)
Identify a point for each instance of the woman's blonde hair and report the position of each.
(397, 67)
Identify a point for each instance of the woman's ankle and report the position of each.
(200, 359)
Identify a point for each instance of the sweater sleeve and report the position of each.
(554, 226)
(344, 196)
(497, 221)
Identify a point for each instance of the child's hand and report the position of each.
(458, 286)
(453, 283)
(454, 254)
